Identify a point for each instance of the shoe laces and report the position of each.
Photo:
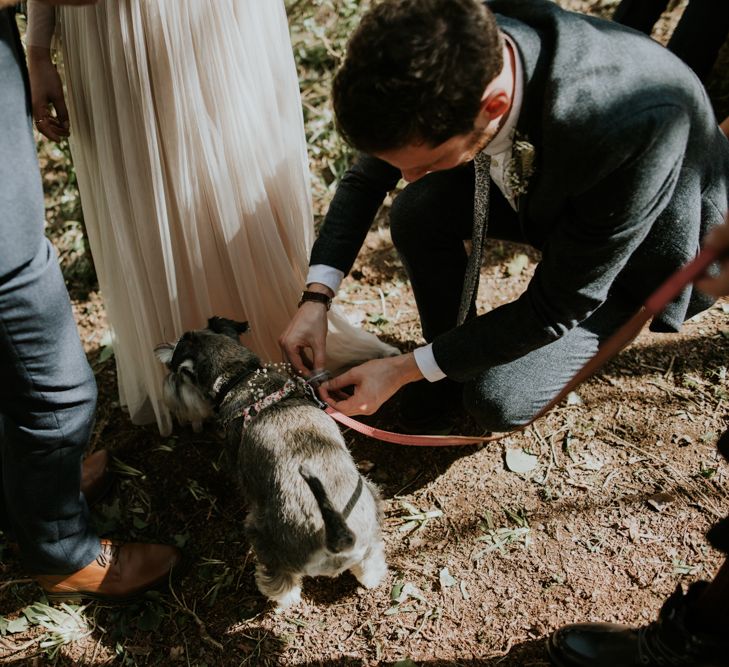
(652, 650)
(108, 554)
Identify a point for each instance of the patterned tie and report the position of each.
(482, 166)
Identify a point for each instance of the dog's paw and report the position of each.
(371, 571)
(372, 578)
(289, 599)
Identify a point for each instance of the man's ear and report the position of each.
(494, 103)
(227, 327)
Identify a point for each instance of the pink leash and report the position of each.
(668, 291)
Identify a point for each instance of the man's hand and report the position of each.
(374, 382)
(717, 238)
(307, 331)
(46, 90)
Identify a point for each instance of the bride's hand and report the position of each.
(49, 106)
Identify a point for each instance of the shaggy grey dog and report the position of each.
(311, 513)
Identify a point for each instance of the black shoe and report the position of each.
(430, 407)
(718, 534)
(667, 642)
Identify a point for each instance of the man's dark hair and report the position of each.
(414, 72)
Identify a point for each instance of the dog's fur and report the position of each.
(310, 511)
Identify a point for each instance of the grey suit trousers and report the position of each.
(47, 390)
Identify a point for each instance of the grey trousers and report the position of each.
(47, 390)
(429, 220)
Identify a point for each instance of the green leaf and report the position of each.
(151, 618)
(517, 265)
(297, 622)
(14, 625)
(181, 539)
(19, 624)
(707, 471)
(106, 354)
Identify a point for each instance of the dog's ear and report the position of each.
(227, 327)
(164, 352)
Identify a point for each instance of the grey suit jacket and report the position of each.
(631, 171)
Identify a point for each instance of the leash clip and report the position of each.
(312, 383)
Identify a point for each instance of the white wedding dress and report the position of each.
(188, 142)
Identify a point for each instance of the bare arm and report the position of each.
(41, 25)
(49, 105)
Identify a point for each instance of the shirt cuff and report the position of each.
(326, 275)
(427, 364)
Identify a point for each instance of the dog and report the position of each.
(311, 513)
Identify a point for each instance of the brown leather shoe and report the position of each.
(121, 572)
(96, 480)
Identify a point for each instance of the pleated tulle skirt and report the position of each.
(188, 143)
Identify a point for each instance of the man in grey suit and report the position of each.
(602, 150)
(48, 392)
(604, 154)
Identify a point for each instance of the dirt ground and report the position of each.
(484, 562)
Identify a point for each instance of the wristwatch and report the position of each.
(306, 295)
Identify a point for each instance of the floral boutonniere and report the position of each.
(521, 165)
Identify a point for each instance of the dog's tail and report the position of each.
(338, 536)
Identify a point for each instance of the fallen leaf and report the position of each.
(446, 579)
(19, 624)
(464, 592)
(659, 501)
(517, 460)
(573, 398)
(590, 462)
